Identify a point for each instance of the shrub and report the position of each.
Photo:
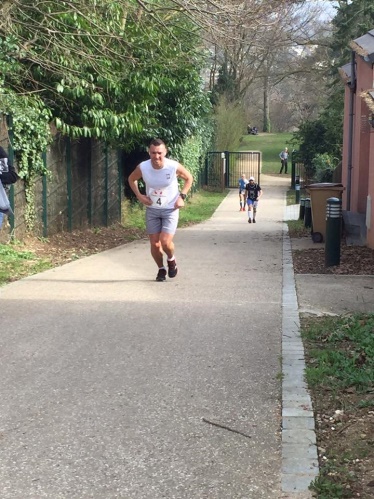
(231, 124)
(324, 166)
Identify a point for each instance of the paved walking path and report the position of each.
(116, 386)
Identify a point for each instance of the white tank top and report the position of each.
(161, 185)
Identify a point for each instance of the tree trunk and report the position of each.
(266, 127)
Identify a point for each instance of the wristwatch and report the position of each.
(183, 196)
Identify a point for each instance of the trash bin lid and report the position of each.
(323, 185)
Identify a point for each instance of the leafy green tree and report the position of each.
(311, 138)
(113, 70)
(324, 166)
(105, 69)
(230, 124)
(354, 18)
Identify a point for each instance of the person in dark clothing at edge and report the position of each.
(254, 193)
(8, 175)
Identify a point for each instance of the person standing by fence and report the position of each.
(284, 160)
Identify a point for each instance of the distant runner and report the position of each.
(254, 192)
(242, 192)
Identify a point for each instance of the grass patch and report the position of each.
(133, 215)
(340, 376)
(291, 196)
(16, 264)
(297, 229)
(347, 359)
(199, 207)
(270, 146)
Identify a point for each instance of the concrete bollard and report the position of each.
(333, 231)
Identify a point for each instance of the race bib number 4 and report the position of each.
(158, 197)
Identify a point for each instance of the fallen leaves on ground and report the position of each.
(354, 260)
(65, 247)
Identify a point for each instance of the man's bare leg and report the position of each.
(156, 250)
(167, 244)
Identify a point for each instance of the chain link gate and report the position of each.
(224, 169)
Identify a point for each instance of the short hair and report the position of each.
(157, 142)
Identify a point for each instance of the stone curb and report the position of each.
(299, 449)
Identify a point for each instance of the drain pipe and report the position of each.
(352, 86)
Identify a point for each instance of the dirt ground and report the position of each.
(347, 435)
(354, 260)
(63, 248)
(68, 246)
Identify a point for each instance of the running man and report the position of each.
(162, 200)
(254, 192)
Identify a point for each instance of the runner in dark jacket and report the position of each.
(254, 193)
(8, 175)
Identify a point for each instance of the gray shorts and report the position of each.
(161, 220)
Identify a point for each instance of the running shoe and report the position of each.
(161, 276)
(254, 220)
(249, 221)
(172, 268)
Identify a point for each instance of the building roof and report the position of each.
(346, 72)
(364, 46)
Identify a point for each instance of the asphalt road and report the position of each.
(117, 386)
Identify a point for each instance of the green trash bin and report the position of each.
(319, 194)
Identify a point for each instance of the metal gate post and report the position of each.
(297, 189)
(223, 175)
(45, 198)
(227, 172)
(293, 171)
(206, 170)
(307, 214)
(89, 184)
(302, 209)
(106, 187)
(119, 166)
(69, 184)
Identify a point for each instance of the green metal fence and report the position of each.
(223, 169)
(84, 188)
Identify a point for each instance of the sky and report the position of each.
(328, 7)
